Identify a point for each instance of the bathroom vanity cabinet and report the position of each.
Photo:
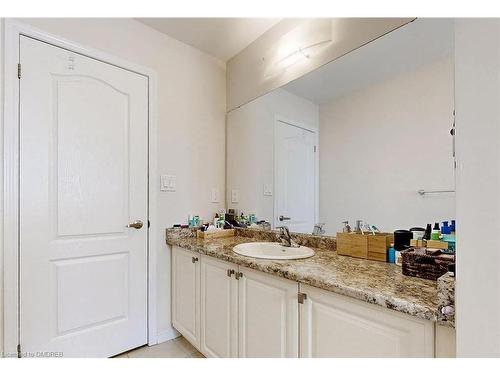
(332, 325)
(226, 310)
(186, 294)
(219, 309)
(268, 316)
(229, 311)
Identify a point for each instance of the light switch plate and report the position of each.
(168, 182)
(235, 196)
(215, 195)
(268, 190)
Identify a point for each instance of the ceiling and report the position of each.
(222, 38)
(416, 44)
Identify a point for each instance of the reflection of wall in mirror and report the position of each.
(250, 143)
(381, 144)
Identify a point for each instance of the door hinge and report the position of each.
(19, 71)
(314, 148)
(19, 354)
(301, 297)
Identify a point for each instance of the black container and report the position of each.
(402, 239)
(428, 230)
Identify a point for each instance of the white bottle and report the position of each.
(399, 258)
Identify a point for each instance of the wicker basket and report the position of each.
(426, 266)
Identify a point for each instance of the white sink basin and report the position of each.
(272, 250)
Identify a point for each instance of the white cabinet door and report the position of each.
(219, 308)
(83, 179)
(338, 326)
(268, 316)
(186, 294)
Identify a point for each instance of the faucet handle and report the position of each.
(283, 229)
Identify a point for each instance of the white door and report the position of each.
(268, 316)
(294, 177)
(219, 308)
(186, 294)
(83, 178)
(335, 326)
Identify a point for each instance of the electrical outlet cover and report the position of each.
(168, 182)
(268, 190)
(215, 195)
(235, 196)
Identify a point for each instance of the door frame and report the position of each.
(11, 293)
(315, 131)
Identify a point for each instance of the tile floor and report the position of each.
(176, 348)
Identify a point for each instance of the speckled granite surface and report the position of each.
(446, 300)
(373, 282)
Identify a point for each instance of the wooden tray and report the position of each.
(366, 246)
(215, 234)
(431, 244)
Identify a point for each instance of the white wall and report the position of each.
(250, 145)
(381, 144)
(191, 121)
(1, 181)
(477, 62)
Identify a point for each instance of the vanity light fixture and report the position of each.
(297, 47)
(301, 54)
(293, 58)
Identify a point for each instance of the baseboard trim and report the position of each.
(167, 334)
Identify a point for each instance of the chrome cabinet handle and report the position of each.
(194, 259)
(136, 224)
(283, 218)
(230, 272)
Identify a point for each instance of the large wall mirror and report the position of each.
(366, 136)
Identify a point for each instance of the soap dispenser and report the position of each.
(347, 227)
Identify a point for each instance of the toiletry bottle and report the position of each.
(428, 231)
(252, 219)
(452, 226)
(222, 219)
(347, 227)
(391, 254)
(435, 232)
(399, 258)
(358, 228)
(216, 220)
(448, 237)
(444, 225)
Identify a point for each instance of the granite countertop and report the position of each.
(446, 300)
(370, 281)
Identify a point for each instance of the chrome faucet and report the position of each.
(318, 229)
(285, 238)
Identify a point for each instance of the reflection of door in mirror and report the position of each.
(294, 177)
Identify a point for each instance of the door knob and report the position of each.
(136, 224)
(283, 218)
